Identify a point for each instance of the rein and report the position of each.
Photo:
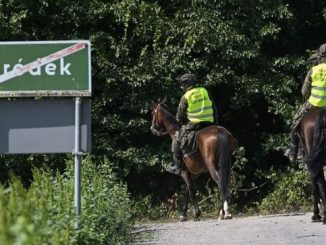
(159, 132)
(156, 129)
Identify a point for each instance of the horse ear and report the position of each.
(165, 100)
(153, 104)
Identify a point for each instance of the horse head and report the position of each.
(163, 121)
(158, 127)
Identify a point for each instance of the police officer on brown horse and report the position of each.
(313, 89)
(196, 110)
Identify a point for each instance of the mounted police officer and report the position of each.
(196, 110)
(314, 90)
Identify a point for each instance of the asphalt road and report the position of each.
(294, 229)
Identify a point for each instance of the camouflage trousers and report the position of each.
(296, 148)
(186, 137)
(182, 135)
(299, 115)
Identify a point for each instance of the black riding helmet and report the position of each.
(322, 51)
(314, 56)
(187, 80)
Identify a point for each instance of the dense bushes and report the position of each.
(291, 193)
(44, 213)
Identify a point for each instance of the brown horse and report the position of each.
(215, 147)
(313, 136)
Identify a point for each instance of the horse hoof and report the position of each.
(324, 220)
(229, 216)
(316, 218)
(197, 217)
(196, 214)
(221, 216)
(183, 218)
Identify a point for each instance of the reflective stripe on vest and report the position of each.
(318, 86)
(200, 107)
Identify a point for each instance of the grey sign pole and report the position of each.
(78, 160)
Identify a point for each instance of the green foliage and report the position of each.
(44, 213)
(25, 213)
(144, 209)
(107, 213)
(290, 193)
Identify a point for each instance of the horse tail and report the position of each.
(317, 155)
(224, 160)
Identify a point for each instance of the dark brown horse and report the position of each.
(215, 147)
(313, 135)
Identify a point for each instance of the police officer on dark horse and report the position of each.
(310, 126)
(313, 90)
(196, 110)
(215, 144)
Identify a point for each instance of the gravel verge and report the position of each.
(273, 229)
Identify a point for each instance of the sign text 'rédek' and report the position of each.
(45, 68)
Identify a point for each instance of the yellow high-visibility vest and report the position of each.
(318, 86)
(200, 107)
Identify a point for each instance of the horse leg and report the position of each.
(316, 217)
(322, 191)
(184, 216)
(224, 212)
(186, 176)
(222, 158)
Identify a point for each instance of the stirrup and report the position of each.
(291, 153)
(174, 168)
(300, 154)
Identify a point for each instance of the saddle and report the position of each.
(188, 137)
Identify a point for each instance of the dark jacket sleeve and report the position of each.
(306, 87)
(182, 111)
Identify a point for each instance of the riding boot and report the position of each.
(292, 152)
(301, 153)
(175, 166)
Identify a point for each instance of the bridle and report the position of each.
(156, 128)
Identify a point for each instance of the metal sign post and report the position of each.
(78, 160)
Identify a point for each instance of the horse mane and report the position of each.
(169, 116)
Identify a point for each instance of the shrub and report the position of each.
(44, 213)
(107, 213)
(291, 192)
